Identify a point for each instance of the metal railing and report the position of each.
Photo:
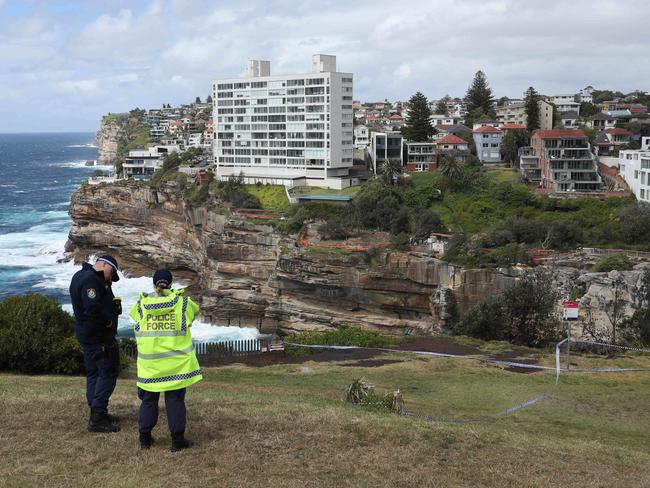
(241, 347)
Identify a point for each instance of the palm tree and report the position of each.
(452, 167)
(391, 171)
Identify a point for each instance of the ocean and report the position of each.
(38, 174)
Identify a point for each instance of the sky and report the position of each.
(63, 64)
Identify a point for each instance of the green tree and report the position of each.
(401, 222)
(531, 101)
(588, 109)
(441, 106)
(452, 167)
(511, 143)
(485, 320)
(391, 171)
(425, 222)
(530, 306)
(479, 94)
(418, 126)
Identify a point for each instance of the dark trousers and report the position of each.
(102, 364)
(176, 413)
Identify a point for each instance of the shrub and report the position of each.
(485, 320)
(401, 222)
(619, 262)
(344, 336)
(333, 229)
(425, 222)
(635, 224)
(37, 336)
(400, 242)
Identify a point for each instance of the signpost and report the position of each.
(571, 311)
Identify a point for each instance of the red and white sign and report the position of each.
(571, 310)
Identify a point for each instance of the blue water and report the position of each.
(38, 174)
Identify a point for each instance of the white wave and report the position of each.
(8, 186)
(82, 164)
(82, 145)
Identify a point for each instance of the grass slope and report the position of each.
(286, 425)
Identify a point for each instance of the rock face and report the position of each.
(107, 140)
(246, 273)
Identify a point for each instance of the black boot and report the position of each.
(99, 422)
(146, 440)
(114, 418)
(179, 442)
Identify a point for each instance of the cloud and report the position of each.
(106, 58)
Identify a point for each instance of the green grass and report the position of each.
(286, 425)
(272, 197)
(479, 211)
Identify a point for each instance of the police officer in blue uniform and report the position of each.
(96, 311)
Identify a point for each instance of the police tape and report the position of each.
(506, 411)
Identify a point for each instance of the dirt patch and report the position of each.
(518, 356)
(281, 357)
(438, 344)
(362, 358)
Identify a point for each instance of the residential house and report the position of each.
(570, 119)
(634, 168)
(437, 120)
(601, 121)
(565, 103)
(488, 143)
(361, 137)
(420, 156)
(395, 121)
(565, 160)
(452, 145)
(143, 163)
(384, 146)
(608, 140)
(508, 127)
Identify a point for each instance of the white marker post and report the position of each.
(571, 312)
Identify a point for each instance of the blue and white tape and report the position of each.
(558, 369)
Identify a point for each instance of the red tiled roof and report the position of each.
(559, 133)
(451, 139)
(487, 128)
(395, 117)
(616, 131)
(513, 126)
(443, 126)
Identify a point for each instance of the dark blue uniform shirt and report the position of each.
(94, 309)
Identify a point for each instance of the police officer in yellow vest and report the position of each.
(166, 358)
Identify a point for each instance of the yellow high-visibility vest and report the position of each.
(166, 357)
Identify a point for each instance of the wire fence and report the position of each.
(217, 349)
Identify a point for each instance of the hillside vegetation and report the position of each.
(286, 425)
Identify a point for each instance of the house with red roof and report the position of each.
(452, 145)
(488, 143)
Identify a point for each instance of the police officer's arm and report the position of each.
(92, 302)
(134, 313)
(192, 310)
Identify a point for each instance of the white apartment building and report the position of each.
(361, 137)
(634, 167)
(565, 103)
(515, 113)
(285, 129)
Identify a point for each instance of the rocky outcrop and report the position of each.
(108, 138)
(248, 273)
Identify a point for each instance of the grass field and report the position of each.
(272, 197)
(286, 425)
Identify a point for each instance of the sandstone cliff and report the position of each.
(108, 138)
(248, 273)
